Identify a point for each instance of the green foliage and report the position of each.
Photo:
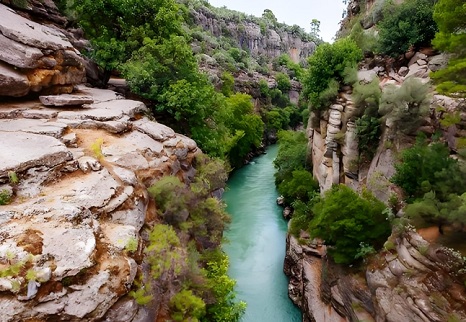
(13, 177)
(140, 293)
(163, 252)
(283, 82)
(368, 132)
(294, 70)
(292, 147)
(300, 186)
(228, 84)
(345, 220)
(326, 67)
(449, 16)
(192, 209)
(365, 39)
(5, 197)
(225, 308)
(410, 24)
(426, 168)
(245, 127)
(433, 210)
(132, 245)
(406, 105)
(96, 148)
(302, 214)
(185, 306)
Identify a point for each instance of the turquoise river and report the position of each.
(256, 244)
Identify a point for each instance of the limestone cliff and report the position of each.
(36, 57)
(270, 42)
(411, 279)
(74, 172)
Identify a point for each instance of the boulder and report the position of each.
(21, 151)
(35, 57)
(12, 82)
(438, 62)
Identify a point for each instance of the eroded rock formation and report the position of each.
(80, 199)
(36, 57)
(410, 281)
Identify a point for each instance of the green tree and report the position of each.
(292, 147)
(245, 126)
(228, 84)
(225, 307)
(347, 221)
(410, 24)
(283, 82)
(117, 28)
(315, 27)
(326, 70)
(185, 306)
(300, 186)
(449, 15)
(269, 16)
(406, 106)
(426, 168)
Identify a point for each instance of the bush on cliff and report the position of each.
(292, 147)
(410, 24)
(326, 68)
(346, 221)
(451, 38)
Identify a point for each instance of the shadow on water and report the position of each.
(257, 242)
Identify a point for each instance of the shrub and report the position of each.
(427, 168)
(406, 105)
(300, 186)
(326, 67)
(410, 24)
(449, 15)
(292, 147)
(283, 82)
(163, 253)
(228, 84)
(185, 306)
(225, 307)
(345, 220)
(368, 132)
(5, 197)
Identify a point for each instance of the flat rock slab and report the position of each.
(27, 32)
(99, 95)
(36, 126)
(127, 107)
(155, 130)
(19, 55)
(20, 151)
(65, 100)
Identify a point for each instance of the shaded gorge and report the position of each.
(257, 242)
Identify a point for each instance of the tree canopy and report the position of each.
(326, 67)
(449, 15)
(347, 221)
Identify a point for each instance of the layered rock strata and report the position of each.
(36, 57)
(411, 280)
(77, 177)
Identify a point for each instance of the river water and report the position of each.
(257, 242)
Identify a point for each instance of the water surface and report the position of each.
(257, 243)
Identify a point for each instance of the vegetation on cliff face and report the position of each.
(451, 38)
(326, 67)
(434, 183)
(409, 25)
(204, 290)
